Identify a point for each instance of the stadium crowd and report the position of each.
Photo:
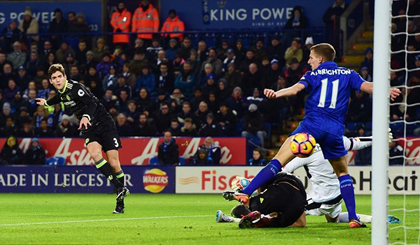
(167, 82)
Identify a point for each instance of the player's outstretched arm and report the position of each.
(286, 92)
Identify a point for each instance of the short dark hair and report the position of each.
(54, 68)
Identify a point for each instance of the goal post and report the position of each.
(381, 81)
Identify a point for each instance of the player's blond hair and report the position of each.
(325, 50)
(54, 68)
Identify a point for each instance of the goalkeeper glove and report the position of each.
(239, 183)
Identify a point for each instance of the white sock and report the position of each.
(344, 218)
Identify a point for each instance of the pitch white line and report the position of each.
(102, 220)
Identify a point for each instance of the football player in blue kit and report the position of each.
(329, 88)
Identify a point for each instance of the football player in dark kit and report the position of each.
(281, 203)
(97, 127)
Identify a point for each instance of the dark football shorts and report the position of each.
(283, 197)
(105, 133)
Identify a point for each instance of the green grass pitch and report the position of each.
(170, 219)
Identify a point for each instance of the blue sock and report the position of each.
(266, 174)
(347, 192)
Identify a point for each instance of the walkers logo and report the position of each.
(155, 180)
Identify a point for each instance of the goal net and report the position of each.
(402, 197)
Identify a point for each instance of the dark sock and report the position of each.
(265, 175)
(121, 177)
(347, 192)
(106, 170)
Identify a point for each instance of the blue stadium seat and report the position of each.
(154, 161)
(56, 161)
(182, 161)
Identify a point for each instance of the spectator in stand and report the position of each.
(210, 127)
(124, 128)
(368, 61)
(122, 101)
(29, 26)
(213, 150)
(75, 74)
(145, 19)
(7, 74)
(185, 80)
(173, 24)
(163, 118)
(35, 155)
(33, 63)
(153, 50)
(81, 52)
(235, 102)
(120, 22)
(130, 78)
(168, 153)
(226, 120)
(309, 42)
(65, 128)
(254, 124)
(201, 114)
(363, 156)
(189, 129)
(47, 48)
(144, 128)
(58, 27)
(44, 90)
(185, 50)
(175, 128)
(212, 102)
(104, 66)
(270, 77)
(10, 127)
(360, 108)
(26, 131)
(230, 58)
(165, 79)
(240, 51)
(17, 57)
(331, 19)
(256, 98)
(6, 112)
(177, 64)
(3, 61)
(80, 28)
(294, 25)
(121, 84)
(177, 98)
(157, 59)
(146, 80)
(172, 50)
(223, 91)
(49, 60)
(195, 63)
(69, 62)
(108, 100)
(100, 49)
(132, 113)
(63, 51)
(11, 154)
(364, 73)
(252, 79)
(210, 85)
(44, 130)
(233, 76)
(249, 59)
(396, 153)
(257, 158)
(214, 61)
(294, 51)
(138, 63)
(111, 79)
(10, 35)
(23, 117)
(185, 113)
(196, 99)
(201, 158)
(90, 62)
(202, 51)
(260, 50)
(71, 17)
(222, 50)
(18, 102)
(32, 107)
(144, 102)
(10, 91)
(276, 51)
(92, 75)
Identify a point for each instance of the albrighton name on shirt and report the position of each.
(331, 72)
